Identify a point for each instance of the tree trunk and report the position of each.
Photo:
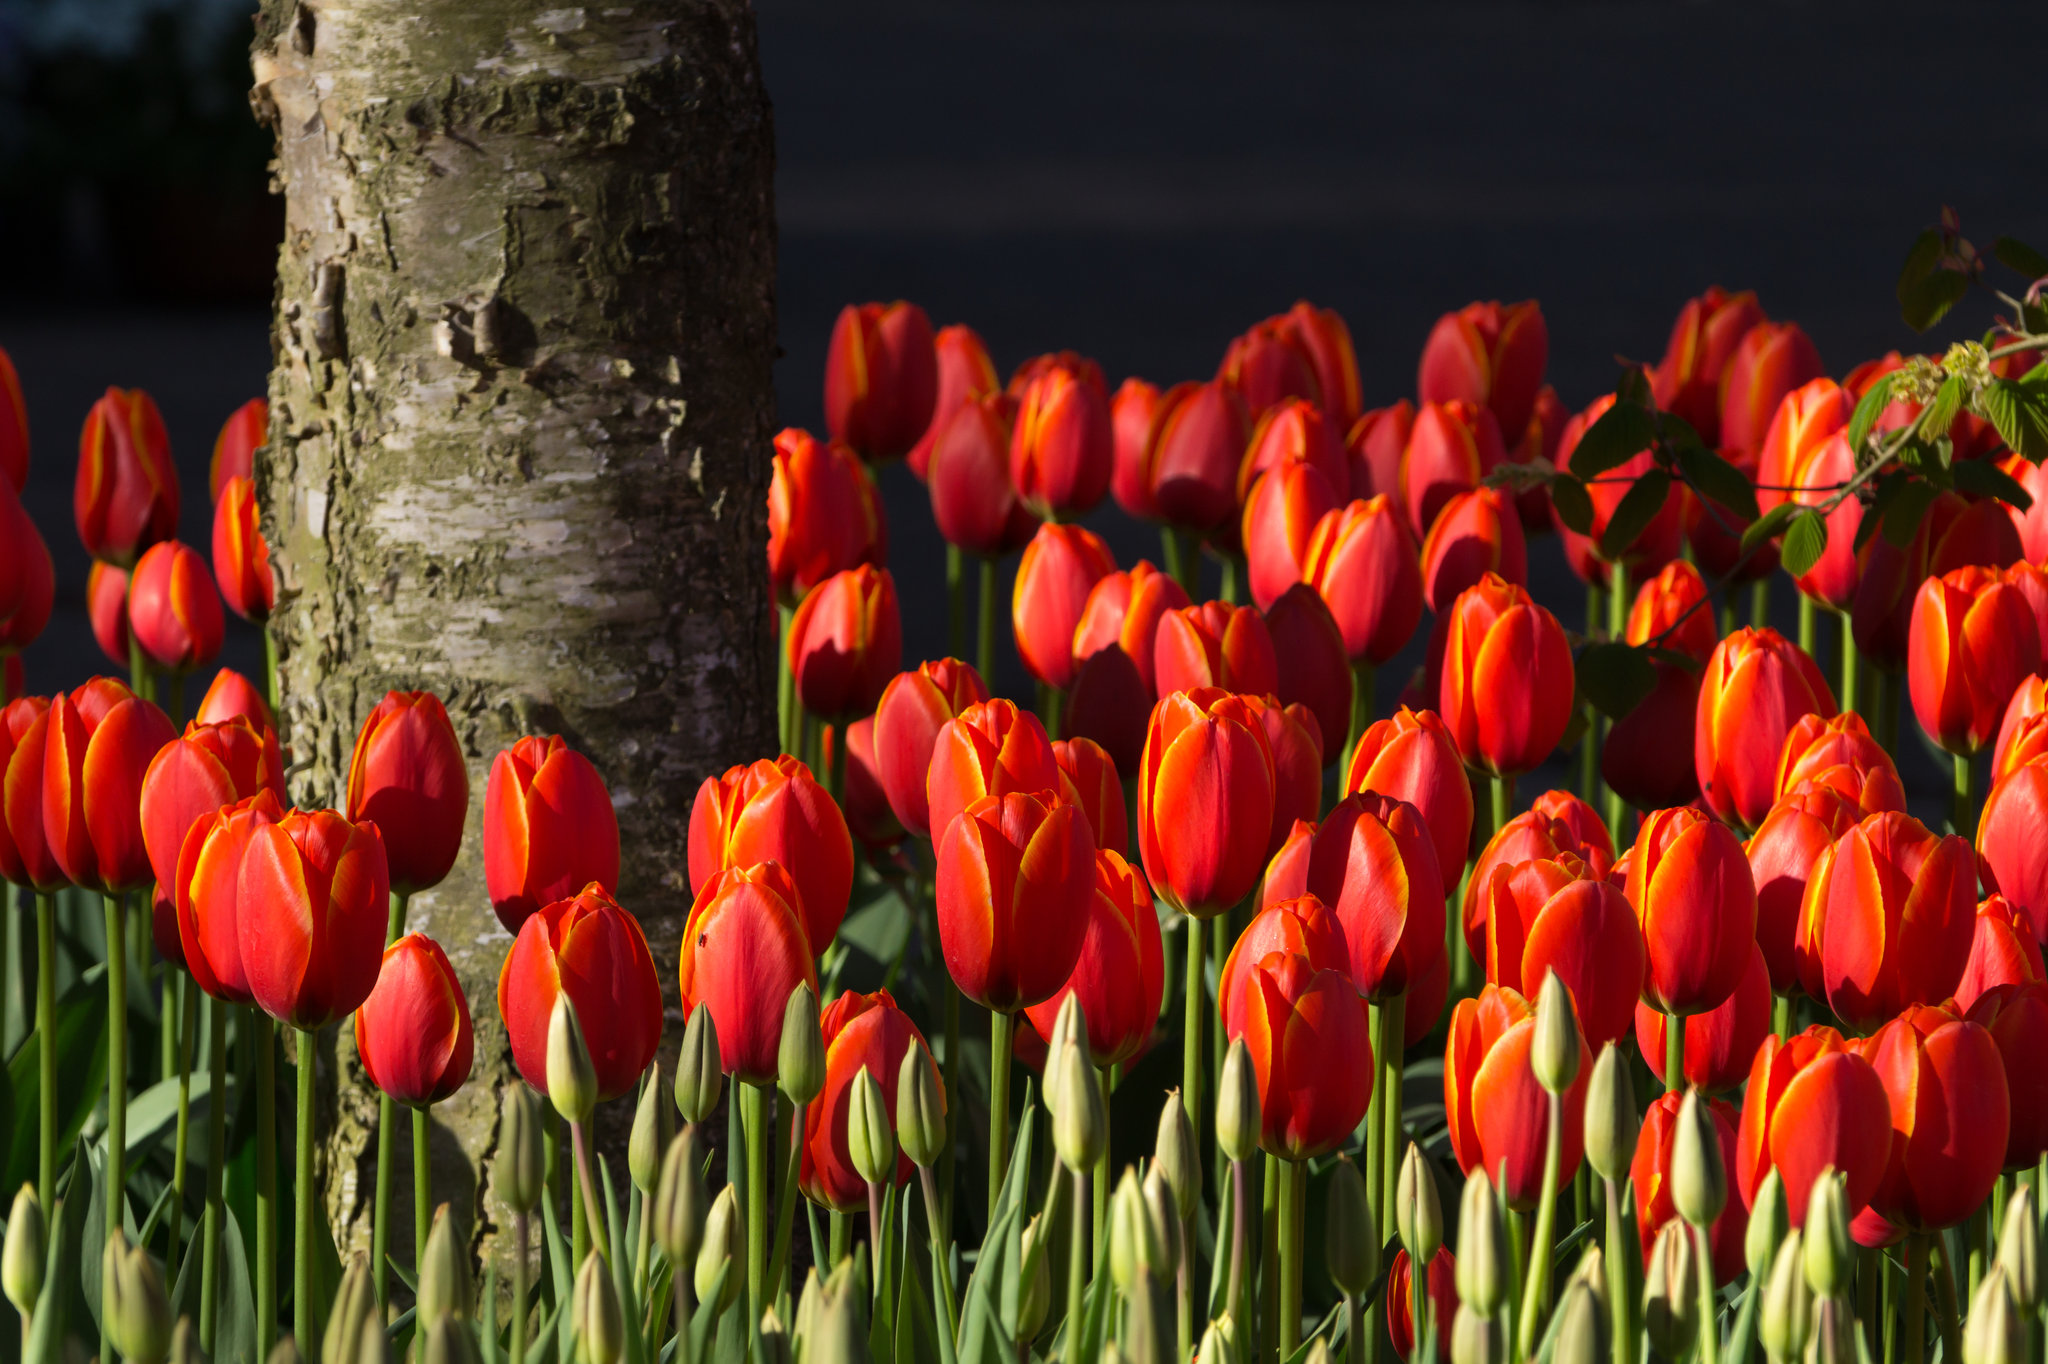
(520, 424)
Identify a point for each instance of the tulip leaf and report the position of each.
(234, 1338)
(1984, 479)
(1940, 413)
(1615, 677)
(1622, 432)
(2020, 413)
(1908, 506)
(2017, 256)
(1769, 525)
(81, 1075)
(1806, 539)
(57, 1304)
(915, 1340)
(1714, 477)
(92, 1237)
(1574, 507)
(1638, 506)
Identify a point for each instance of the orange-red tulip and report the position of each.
(990, 749)
(207, 895)
(1309, 658)
(824, 515)
(1296, 743)
(965, 374)
(1646, 758)
(1092, 783)
(313, 900)
(1804, 420)
(241, 556)
(1320, 334)
(413, 1033)
(1062, 446)
(1813, 1103)
(973, 502)
(1207, 789)
(1123, 611)
(14, 426)
(1950, 1121)
(1120, 974)
(25, 857)
(1214, 645)
(1650, 1173)
(1375, 445)
(1654, 546)
(126, 495)
(1195, 444)
(1542, 916)
(881, 378)
(1310, 1046)
(863, 1032)
(1280, 518)
(1719, 1044)
(209, 766)
(1131, 413)
(1771, 360)
(1299, 924)
(773, 810)
(1496, 1110)
(232, 694)
(1410, 757)
(1672, 609)
(2012, 855)
(1372, 862)
(2003, 951)
(868, 816)
(1442, 1287)
(2031, 524)
(173, 608)
(1477, 532)
(1889, 914)
(408, 777)
(593, 951)
(234, 449)
(1538, 440)
(106, 603)
(1452, 445)
(1268, 365)
(96, 750)
(1839, 753)
(1783, 851)
(1507, 678)
(1489, 354)
(1060, 567)
(1756, 686)
(28, 578)
(1952, 535)
(549, 828)
(1015, 878)
(1973, 641)
(1362, 563)
(846, 642)
(914, 707)
(1693, 894)
(744, 951)
(1703, 340)
(1294, 431)
(2016, 1016)
(1556, 822)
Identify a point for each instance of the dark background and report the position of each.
(1135, 181)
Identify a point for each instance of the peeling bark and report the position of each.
(520, 421)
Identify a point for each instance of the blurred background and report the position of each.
(1136, 181)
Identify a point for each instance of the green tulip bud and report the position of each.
(723, 1234)
(1351, 1244)
(1149, 1333)
(595, 1315)
(572, 1078)
(1134, 1248)
(1217, 1346)
(286, 1351)
(1769, 1220)
(1482, 1247)
(800, 1061)
(681, 1202)
(1419, 1214)
(1175, 1157)
(700, 1070)
(654, 1123)
(1785, 1321)
(870, 1140)
(1063, 1021)
(1318, 1351)
(837, 1334)
(776, 1346)
(1581, 1325)
(23, 1254)
(1477, 1339)
(185, 1343)
(1994, 1332)
(1164, 1215)
(523, 1168)
(354, 1311)
(133, 1308)
(2019, 1250)
(1237, 1103)
(1080, 1126)
(1830, 1255)
(446, 1289)
(1699, 1178)
(449, 1342)
(1671, 1306)
(1554, 1051)
(1611, 1117)
(808, 1305)
(1592, 1272)
(920, 1108)
(1036, 1295)
(1835, 1334)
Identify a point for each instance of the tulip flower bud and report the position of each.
(1482, 1247)
(1994, 1332)
(653, 1128)
(1581, 1328)
(1134, 1248)
(1835, 1334)
(776, 1347)
(1164, 1214)
(1477, 1339)
(1351, 1239)
(835, 1334)
(1036, 1295)
(354, 1311)
(22, 1256)
(1216, 1346)
(1786, 1319)
(1175, 1156)
(1554, 1052)
(448, 1341)
(1830, 1257)
(1671, 1304)
(595, 1315)
(133, 1308)
(1699, 1179)
(185, 1343)
(2019, 1250)
(800, 1064)
(1071, 1016)
(286, 1351)
(723, 1234)
(1417, 1209)
(870, 1139)
(572, 1076)
(808, 1305)
(680, 1201)
(1318, 1352)
(1237, 1103)
(700, 1077)
(1769, 1220)
(445, 1285)
(1592, 1272)
(920, 1109)
(1079, 1125)
(1611, 1117)
(524, 1165)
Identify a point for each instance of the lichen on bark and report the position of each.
(520, 421)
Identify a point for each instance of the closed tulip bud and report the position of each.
(920, 1109)
(1318, 1352)
(1482, 1247)
(414, 1033)
(525, 1163)
(1830, 1255)
(22, 1254)
(1216, 1346)
(1352, 1239)
(354, 1313)
(654, 1126)
(1477, 1338)
(286, 1351)
(870, 1139)
(1035, 1296)
(1058, 570)
(824, 515)
(1671, 1302)
(125, 498)
(776, 1345)
(1014, 880)
(681, 1201)
(1164, 1214)
(1134, 1248)
(1995, 1332)
(1554, 1055)
(1785, 1320)
(1581, 1327)
(2019, 1249)
(1079, 1124)
(700, 1079)
(572, 1078)
(1237, 1103)
(1769, 1220)
(1148, 1336)
(448, 1341)
(1176, 1157)
(1419, 1213)
(1592, 1272)
(445, 1287)
(106, 606)
(836, 1334)
(1612, 1120)
(1699, 1179)
(596, 1318)
(724, 1233)
(800, 1064)
(185, 1343)
(133, 1308)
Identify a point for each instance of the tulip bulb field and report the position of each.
(1211, 1009)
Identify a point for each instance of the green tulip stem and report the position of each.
(1589, 742)
(597, 1234)
(1227, 593)
(1703, 1266)
(953, 1101)
(522, 1289)
(1269, 1258)
(1240, 1243)
(117, 1057)
(188, 1038)
(270, 692)
(1361, 706)
(1169, 552)
(1219, 1043)
(1948, 1322)
(1184, 1292)
(423, 1188)
(1965, 816)
(1674, 1053)
(46, 1050)
(1619, 598)
(1760, 602)
(948, 1319)
(1503, 800)
(1536, 1292)
(1188, 565)
(1078, 1231)
(1191, 1057)
(264, 1033)
(216, 1144)
(786, 1197)
(956, 602)
(1851, 675)
(1621, 1253)
(877, 1231)
(1809, 624)
(1393, 1024)
(754, 1112)
(1375, 1147)
(303, 1197)
(985, 623)
(836, 773)
(1050, 705)
(1293, 1195)
(1418, 1311)
(1354, 1331)
(1100, 1210)
(1781, 1016)
(842, 1238)
(785, 680)
(387, 1148)
(1002, 1029)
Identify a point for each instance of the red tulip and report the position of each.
(1215, 645)
(862, 1033)
(1206, 794)
(313, 900)
(1063, 445)
(2012, 856)
(232, 694)
(1362, 563)
(1120, 974)
(1196, 442)
(1646, 758)
(1650, 1173)
(1756, 686)
(408, 777)
(973, 501)
(1372, 862)
(868, 816)
(1131, 413)
(1803, 421)
(1296, 742)
(1488, 354)
(990, 749)
(744, 952)
(1812, 1104)
(1672, 609)
(1060, 566)
(1953, 534)
(965, 374)
(1375, 445)
(1553, 830)
(2031, 524)
(1308, 1038)
(1719, 1044)
(773, 810)
(14, 426)
(1309, 660)
(1836, 578)
(549, 828)
(24, 858)
(881, 378)
(1452, 446)
(126, 495)
(2018, 738)
(1703, 341)
(1551, 916)
(1320, 334)
(593, 951)
(1268, 365)
(2016, 1016)
(1538, 440)
(245, 431)
(1694, 897)
(97, 748)
(1092, 783)
(1507, 678)
(1299, 924)
(846, 642)
(1654, 546)
(1123, 611)
(1294, 431)
(209, 766)
(1497, 1112)
(1889, 914)
(1477, 532)
(1410, 757)
(2003, 951)
(824, 515)
(413, 1033)
(207, 895)
(241, 556)
(1795, 835)
(106, 603)
(173, 608)
(27, 579)
(1950, 1121)
(1973, 641)
(1771, 360)
(1280, 518)
(1839, 753)
(1014, 881)
(1442, 1287)
(914, 707)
